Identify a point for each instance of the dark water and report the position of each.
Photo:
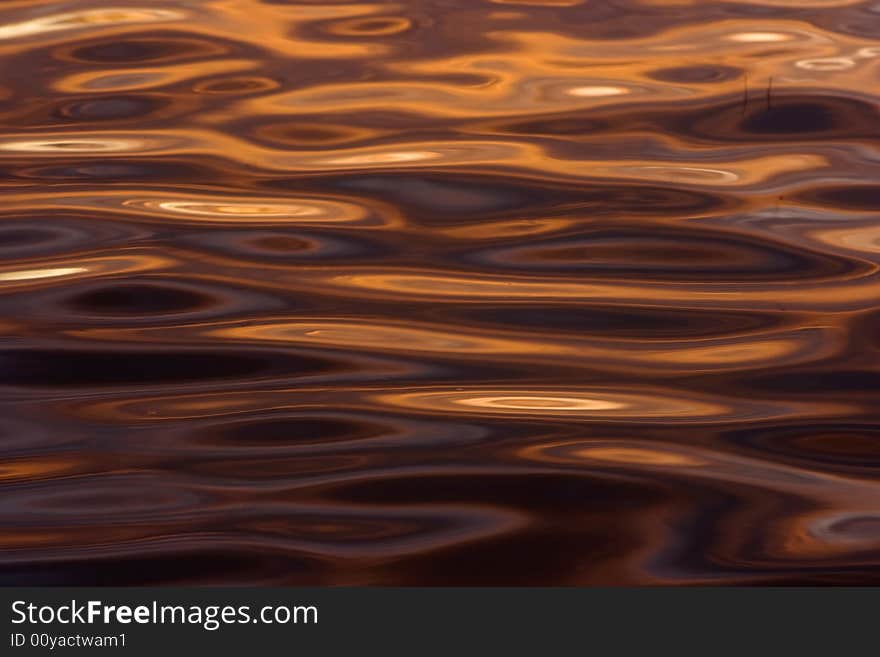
(440, 292)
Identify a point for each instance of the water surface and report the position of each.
(440, 292)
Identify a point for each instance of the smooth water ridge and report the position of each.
(440, 292)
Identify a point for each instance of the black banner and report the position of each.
(412, 621)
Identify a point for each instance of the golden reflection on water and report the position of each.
(318, 292)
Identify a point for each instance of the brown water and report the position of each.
(440, 292)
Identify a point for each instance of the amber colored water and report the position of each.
(440, 292)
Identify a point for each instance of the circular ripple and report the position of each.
(598, 404)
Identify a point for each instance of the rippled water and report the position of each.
(440, 292)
